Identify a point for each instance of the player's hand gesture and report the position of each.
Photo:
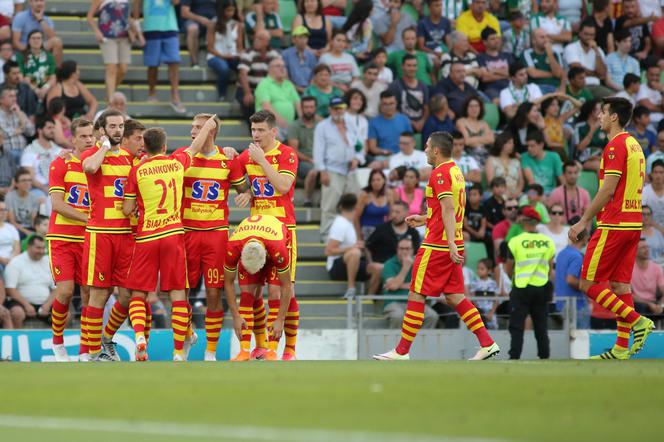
(238, 324)
(457, 258)
(210, 124)
(230, 152)
(415, 220)
(277, 328)
(242, 199)
(256, 153)
(576, 230)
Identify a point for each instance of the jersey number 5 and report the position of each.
(162, 209)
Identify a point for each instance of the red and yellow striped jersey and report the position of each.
(156, 185)
(66, 176)
(623, 157)
(446, 180)
(206, 186)
(266, 200)
(270, 232)
(106, 188)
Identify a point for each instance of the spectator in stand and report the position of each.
(25, 95)
(395, 60)
(409, 157)
(461, 52)
(265, 17)
(301, 139)
(15, 126)
(495, 64)
(639, 129)
(620, 63)
(557, 137)
(37, 65)
(533, 198)
(198, 17)
(6, 54)
(468, 164)
(573, 199)
(557, 28)
(631, 88)
(433, 31)
(455, 88)
(585, 54)
(276, 93)
(252, 69)
(544, 65)
(355, 119)
(8, 166)
(651, 7)
(312, 19)
(588, 136)
(410, 192)
(502, 162)
(540, 166)
(29, 284)
(573, 11)
(647, 282)
(519, 90)
(650, 94)
(79, 101)
(501, 229)
(484, 286)
(118, 102)
(412, 94)
(633, 21)
(56, 111)
(477, 134)
(300, 60)
(475, 223)
(344, 249)
(439, 117)
(473, 21)
(658, 35)
(10, 242)
(160, 31)
(653, 237)
(556, 228)
(40, 228)
(322, 89)
(601, 17)
(359, 30)
(389, 25)
(385, 74)
(576, 86)
(225, 43)
(343, 65)
(568, 276)
(371, 88)
(657, 153)
(528, 118)
(334, 11)
(494, 205)
(373, 204)
(386, 128)
(22, 204)
(396, 280)
(6, 15)
(653, 194)
(35, 18)
(517, 38)
(39, 154)
(334, 157)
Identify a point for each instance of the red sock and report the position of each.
(273, 305)
(291, 325)
(213, 323)
(94, 318)
(180, 323)
(412, 322)
(59, 314)
(115, 320)
(83, 345)
(471, 316)
(602, 294)
(622, 337)
(247, 313)
(148, 320)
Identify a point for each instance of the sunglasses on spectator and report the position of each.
(557, 213)
(511, 207)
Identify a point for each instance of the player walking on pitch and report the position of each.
(438, 265)
(609, 260)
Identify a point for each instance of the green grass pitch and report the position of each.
(344, 401)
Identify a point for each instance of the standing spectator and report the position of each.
(650, 94)
(300, 60)
(531, 264)
(22, 204)
(371, 88)
(343, 65)
(543, 63)
(114, 34)
(424, 71)
(653, 237)
(334, 157)
(573, 199)
(252, 69)
(276, 93)
(355, 119)
(657, 153)
(39, 154)
(653, 194)
(574, 11)
(25, 96)
(568, 276)
(469, 165)
(588, 136)
(15, 126)
(160, 31)
(78, 100)
(312, 19)
(477, 134)
(198, 16)
(647, 282)
(495, 64)
(225, 43)
(620, 63)
(585, 54)
(386, 128)
(439, 117)
(473, 21)
(601, 17)
(502, 163)
(433, 31)
(412, 95)
(557, 28)
(373, 204)
(631, 88)
(461, 52)
(322, 89)
(494, 206)
(359, 30)
(343, 248)
(29, 283)
(540, 166)
(410, 192)
(265, 17)
(35, 18)
(37, 65)
(639, 129)
(301, 139)
(528, 118)
(409, 157)
(633, 21)
(556, 229)
(455, 88)
(518, 90)
(517, 38)
(389, 25)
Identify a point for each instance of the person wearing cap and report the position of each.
(300, 60)
(276, 93)
(530, 264)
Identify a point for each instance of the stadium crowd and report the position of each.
(357, 88)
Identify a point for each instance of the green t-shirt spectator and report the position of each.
(583, 95)
(283, 97)
(36, 68)
(272, 21)
(424, 66)
(322, 98)
(391, 268)
(597, 141)
(540, 61)
(545, 171)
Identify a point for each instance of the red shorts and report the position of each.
(434, 273)
(66, 259)
(610, 256)
(272, 277)
(162, 260)
(106, 259)
(206, 252)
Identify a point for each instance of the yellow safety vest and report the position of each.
(532, 253)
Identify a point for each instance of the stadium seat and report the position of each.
(588, 180)
(418, 142)
(474, 251)
(287, 12)
(491, 115)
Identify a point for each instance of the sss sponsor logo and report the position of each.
(78, 196)
(118, 186)
(205, 190)
(261, 187)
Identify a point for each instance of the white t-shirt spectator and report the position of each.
(343, 231)
(467, 164)
(655, 98)
(655, 203)
(40, 159)
(417, 159)
(649, 7)
(7, 7)
(511, 95)
(560, 240)
(32, 279)
(344, 68)
(8, 236)
(551, 25)
(574, 53)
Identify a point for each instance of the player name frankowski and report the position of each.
(159, 169)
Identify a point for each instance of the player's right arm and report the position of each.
(208, 127)
(602, 198)
(92, 163)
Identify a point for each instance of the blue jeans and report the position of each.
(222, 68)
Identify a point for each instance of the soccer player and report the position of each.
(438, 265)
(132, 138)
(260, 245)
(609, 260)
(271, 167)
(154, 188)
(205, 220)
(71, 204)
(108, 242)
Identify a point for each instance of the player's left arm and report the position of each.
(449, 224)
(280, 180)
(603, 196)
(130, 192)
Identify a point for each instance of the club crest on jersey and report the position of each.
(205, 190)
(78, 196)
(223, 164)
(118, 186)
(261, 187)
(440, 179)
(100, 276)
(57, 270)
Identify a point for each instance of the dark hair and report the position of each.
(620, 107)
(378, 50)
(221, 24)
(350, 94)
(33, 239)
(79, 122)
(20, 172)
(359, 14)
(42, 120)
(9, 65)
(408, 57)
(498, 181)
(487, 32)
(309, 98)
(645, 206)
(520, 119)
(589, 22)
(622, 34)
(536, 136)
(539, 190)
(600, 5)
(369, 189)
(628, 80)
(103, 118)
(414, 170)
(401, 203)
(40, 219)
(568, 164)
(408, 29)
(586, 110)
(319, 9)
(656, 163)
(263, 116)
(639, 111)
(336, 32)
(154, 139)
(544, 106)
(33, 32)
(322, 67)
(486, 262)
(55, 106)
(574, 72)
(347, 202)
(476, 186)
(516, 67)
(501, 140)
(370, 65)
(443, 142)
(66, 70)
(131, 126)
(407, 135)
(464, 108)
(387, 93)
(456, 135)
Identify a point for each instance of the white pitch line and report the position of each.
(219, 432)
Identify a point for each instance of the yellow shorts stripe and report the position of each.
(597, 254)
(91, 258)
(422, 270)
(293, 253)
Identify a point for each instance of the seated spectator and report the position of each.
(653, 194)
(455, 88)
(385, 75)
(334, 11)
(474, 222)
(342, 64)
(356, 119)
(657, 153)
(631, 88)
(528, 118)
(433, 31)
(14, 121)
(26, 97)
(585, 54)
(576, 86)
(439, 117)
(6, 54)
(503, 163)
(373, 204)
(395, 278)
(37, 65)
(301, 139)
(647, 282)
(589, 138)
(390, 23)
(424, 68)
(8, 166)
(6, 32)
(619, 63)
(252, 69)
(557, 228)
(653, 237)
(534, 198)
(601, 18)
(650, 93)
(371, 88)
(118, 102)
(495, 64)
(519, 90)
(556, 136)
(40, 227)
(322, 89)
(410, 193)
(300, 60)
(39, 154)
(556, 27)
(343, 248)
(568, 277)
(10, 241)
(62, 133)
(461, 52)
(658, 35)
(359, 30)
(494, 205)
(540, 166)
(386, 128)
(22, 204)
(501, 229)
(276, 93)
(639, 129)
(544, 64)
(265, 17)
(637, 25)
(312, 19)
(517, 38)
(35, 18)
(412, 95)
(79, 101)
(477, 134)
(473, 21)
(468, 163)
(409, 157)
(485, 286)
(573, 199)
(225, 43)
(29, 284)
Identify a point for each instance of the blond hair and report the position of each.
(253, 256)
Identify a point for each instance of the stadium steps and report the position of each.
(191, 94)
(92, 56)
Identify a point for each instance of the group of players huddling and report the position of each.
(129, 216)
